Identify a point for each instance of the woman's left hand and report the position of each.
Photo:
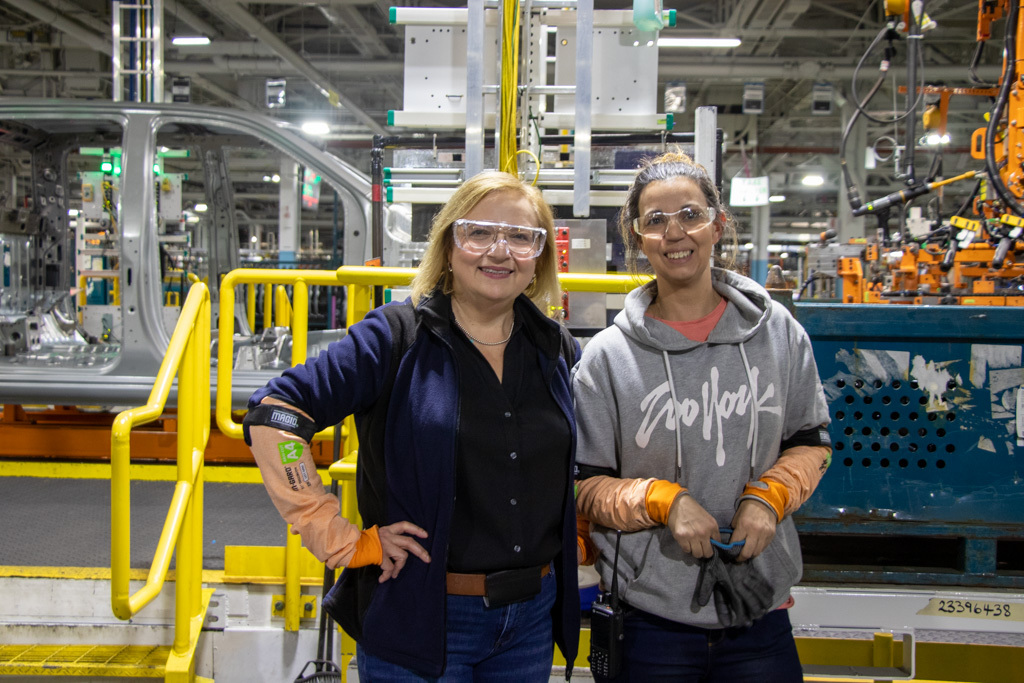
(754, 522)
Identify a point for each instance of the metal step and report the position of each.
(142, 661)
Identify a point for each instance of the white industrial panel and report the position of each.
(169, 186)
(92, 193)
(435, 68)
(625, 68)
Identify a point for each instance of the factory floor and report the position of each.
(55, 548)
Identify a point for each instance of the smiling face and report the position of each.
(496, 277)
(680, 260)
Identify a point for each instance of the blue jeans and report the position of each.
(657, 649)
(512, 644)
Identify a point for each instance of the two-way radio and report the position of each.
(606, 627)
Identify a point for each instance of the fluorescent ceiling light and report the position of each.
(698, 42)
(775, 198)
(813, 180)
(316, 128)
(190, 40)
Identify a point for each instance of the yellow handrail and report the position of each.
(188, 357)
(282, 307)
(360, 280)
(226, 331)
(83, 281)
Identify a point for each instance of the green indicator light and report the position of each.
(117, 170)
(106, 167)
(156, 169)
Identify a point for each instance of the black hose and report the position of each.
(993, 122)
(970, 198)
(852, 192)
(853, 81)
(972, 70)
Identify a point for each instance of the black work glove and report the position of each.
(741, 593)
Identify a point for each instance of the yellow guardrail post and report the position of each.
(188, 356)
(268, 306)
(284, 309)
(250, 305)
(299, 317)
(293, 545)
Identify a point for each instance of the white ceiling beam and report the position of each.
(50, 16)
(747, 69)
(274, 66)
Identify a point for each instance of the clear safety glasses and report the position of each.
(689, 219)
(479, 237)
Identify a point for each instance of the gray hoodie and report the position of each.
(710, 415)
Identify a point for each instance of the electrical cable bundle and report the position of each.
(509, 87)
(1009, 75)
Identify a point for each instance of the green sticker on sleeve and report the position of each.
(290, 451)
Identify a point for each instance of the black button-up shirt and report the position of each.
(511, 462)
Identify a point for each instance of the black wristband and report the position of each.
(815, 436)
(279, 417)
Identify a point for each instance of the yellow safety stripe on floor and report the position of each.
(84, 660)
(137, 472)
(94, 573)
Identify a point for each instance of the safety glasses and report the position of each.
(480, 237)
(689, 219)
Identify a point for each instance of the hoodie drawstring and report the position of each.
(752, 433)
(675, 416)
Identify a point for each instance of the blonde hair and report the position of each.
(665, 167)
(435, 272)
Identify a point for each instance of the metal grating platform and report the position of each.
(66, 522)
(136, 661)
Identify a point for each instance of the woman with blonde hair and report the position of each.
(701, 429)
(466, 566)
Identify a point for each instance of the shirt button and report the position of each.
(516, 548)
(508, 414)
(513, 455)
(513, 501)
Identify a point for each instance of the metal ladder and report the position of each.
(138, 55)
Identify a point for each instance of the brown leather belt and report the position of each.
(473, 584)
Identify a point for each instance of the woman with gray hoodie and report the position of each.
(702, 427)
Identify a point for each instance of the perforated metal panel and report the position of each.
(924, 413)
(888, 424)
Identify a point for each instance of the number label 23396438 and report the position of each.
(974, 609)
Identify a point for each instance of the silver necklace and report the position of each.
(485, 343)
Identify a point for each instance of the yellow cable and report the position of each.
(536, 162)
(509, 87)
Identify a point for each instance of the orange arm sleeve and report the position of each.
(791, 480)
(626, 504)
(586, 552)
(291, 479)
